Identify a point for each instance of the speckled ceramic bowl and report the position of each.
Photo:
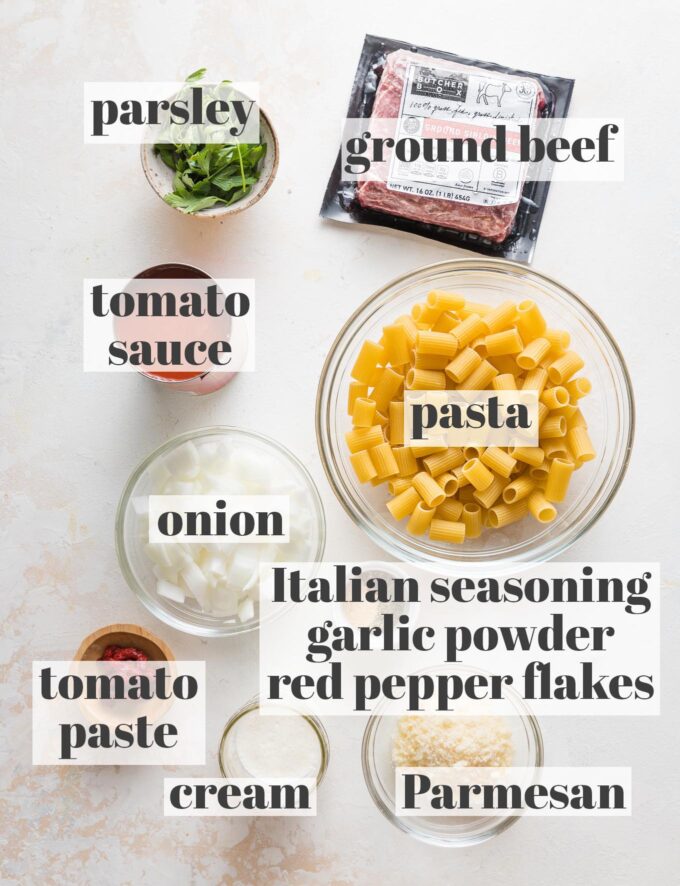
(160, 176)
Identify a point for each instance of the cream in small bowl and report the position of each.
(274, 743)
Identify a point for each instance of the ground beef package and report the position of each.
(392, 79)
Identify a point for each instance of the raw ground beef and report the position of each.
(491, 222)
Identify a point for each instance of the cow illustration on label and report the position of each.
(489, 90)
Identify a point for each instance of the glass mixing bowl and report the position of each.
(454, 831)
(137, 567)
(609, 411)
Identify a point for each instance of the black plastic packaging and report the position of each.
(340, 201)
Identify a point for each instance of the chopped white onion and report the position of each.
(140, 505)
(246, 610)
(170, 590)
(225, 601)
(184, 461)
(196, 583)
(223, 579)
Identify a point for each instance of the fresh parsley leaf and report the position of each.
(197, 75)
(188, 203)
(206, 174)
(227, 182)
(238, 195)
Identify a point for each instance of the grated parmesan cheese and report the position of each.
(448, 741)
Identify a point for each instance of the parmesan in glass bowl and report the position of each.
(468, 738)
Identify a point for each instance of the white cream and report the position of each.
(272, 745)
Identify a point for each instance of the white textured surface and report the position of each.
(70, 440)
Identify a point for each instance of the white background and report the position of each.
(71, 211)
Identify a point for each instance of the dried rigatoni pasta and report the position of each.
(445, 301)
(557, 447)
(498, 344)
(425, 314)
(447, 342)
(384, 461)
(440, 462)
(468, 329)
(533, 353)
(449, 483)
(555, 398)
(406, 461)
(559, 476)
(540, 508)
(559, 341)
(363, 466)
(428, 489)
(489, 496)
(580, 445)
(480, 378)
(404, 504)
(564, 367)
(535, 380)
(425, 380)
(463, 365)
(363, 413)
(467, 494)
(554, 426)
(576, 420)
(518, 489)
(386, 388)
(364, 438)
(472, 518)
(429, 361)
(530, 321)
(356, 390)
(498, 460)
(503, 363)
(420, 519)
(504, 382)
(478, 474)
(370, 356)
(501, 515)
(397, 345)
(500, 318)
(539, 474)
(441, 344)
(531, 455)
(446, 322)
(423, 448)
(577, 388)
(410, 328)
(473, 307)
(447, 530)
(395, 415)
(397, 485)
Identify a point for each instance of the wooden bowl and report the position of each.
(92, 648)
(160, 176)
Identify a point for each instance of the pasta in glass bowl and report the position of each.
(507, 512)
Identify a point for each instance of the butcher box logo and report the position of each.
(439, 84)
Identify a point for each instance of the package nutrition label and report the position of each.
(439, 103)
